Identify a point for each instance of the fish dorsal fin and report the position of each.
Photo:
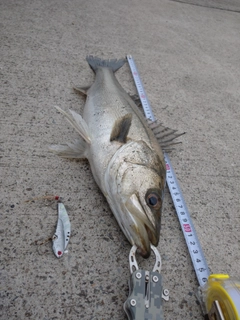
(136, 99)
(121, 128)
(164, 135)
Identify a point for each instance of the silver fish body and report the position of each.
(124, 154)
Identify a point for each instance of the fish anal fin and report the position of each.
(75, 150)
(78, 123)
(121, 128)
(164, 135)
(83, 90)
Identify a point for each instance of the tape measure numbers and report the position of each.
(190, 235)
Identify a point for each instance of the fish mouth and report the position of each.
(144, 232)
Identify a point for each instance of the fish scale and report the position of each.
(108, 96)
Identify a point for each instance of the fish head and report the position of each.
(134, 187)
(141, 193)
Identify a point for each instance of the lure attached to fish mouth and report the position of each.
(124, 154)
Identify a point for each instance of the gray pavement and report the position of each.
(188, 57)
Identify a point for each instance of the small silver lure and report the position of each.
(61, 237)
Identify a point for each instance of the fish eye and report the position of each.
(153, 200)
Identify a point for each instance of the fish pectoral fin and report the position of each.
(78, 123)
(164, 135)
(82, 90)
(121, 128)
(75, 150)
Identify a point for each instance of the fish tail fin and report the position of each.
(112, 64)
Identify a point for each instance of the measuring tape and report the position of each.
(194, 247)
(141, 92)
(221, 299)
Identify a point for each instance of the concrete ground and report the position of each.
(187, 53)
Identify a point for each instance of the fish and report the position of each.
(62, 234)
(125, 152)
